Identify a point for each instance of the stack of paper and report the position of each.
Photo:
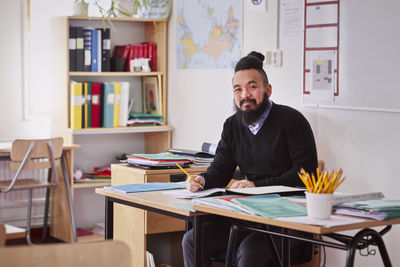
(160, 159)
(379, 209)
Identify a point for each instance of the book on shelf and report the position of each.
(117, 103)
(124, 104)
(106, 49)
(72, 48)
(96, 91)
(76, 105)
(108, 105)
(87, 46)
(80, 55)
(88, 104)
(96, 52)
(151, 95)
(144, 119)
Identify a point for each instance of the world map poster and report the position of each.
(209, 34)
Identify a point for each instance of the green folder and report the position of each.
(271, 206)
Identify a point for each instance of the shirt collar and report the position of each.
(256, 128)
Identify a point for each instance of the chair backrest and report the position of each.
(99, 254)
(40, 150)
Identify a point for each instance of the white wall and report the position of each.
(365, 144)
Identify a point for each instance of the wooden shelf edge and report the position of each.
(127, 19)
(113, 74)
(133, 129)
(90, 185)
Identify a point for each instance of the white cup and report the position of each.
(319, 206)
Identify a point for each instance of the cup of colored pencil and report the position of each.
(319, 194)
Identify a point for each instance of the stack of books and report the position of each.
(144, 119)
(164, 160)
(378, 209)
(201, 158)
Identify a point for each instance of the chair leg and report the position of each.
(71, 209)
(46, 216)
(46, 209)
(29, 212)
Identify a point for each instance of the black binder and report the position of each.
(106, 49)
(80, 58)
(72, 48)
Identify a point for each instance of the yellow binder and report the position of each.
(117, 101)
(76, 106)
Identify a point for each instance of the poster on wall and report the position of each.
(320, 80)
(208, 34)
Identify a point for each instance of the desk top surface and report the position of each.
(158, 200)
(154, 199)
(315, 229)
(5, 147)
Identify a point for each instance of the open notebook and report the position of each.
(261, 190)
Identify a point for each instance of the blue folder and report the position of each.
(135, 188)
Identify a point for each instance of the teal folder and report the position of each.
(145, 187)
(108, 105)
(271, 206)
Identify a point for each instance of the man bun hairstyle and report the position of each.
(254, 60)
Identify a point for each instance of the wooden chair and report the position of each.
(100, 254)
(39, 154)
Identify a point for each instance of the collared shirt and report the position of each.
(254, 129)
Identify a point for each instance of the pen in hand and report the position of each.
(189, 175)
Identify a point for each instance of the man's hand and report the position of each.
(194, 186)
(242, 184)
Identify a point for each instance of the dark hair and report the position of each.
(254, 60)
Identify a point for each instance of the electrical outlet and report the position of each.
(268, 58)
(277, 58)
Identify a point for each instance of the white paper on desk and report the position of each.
(184, 193)
(331, 222)
(274, 189)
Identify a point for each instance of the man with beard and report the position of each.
(270, 143)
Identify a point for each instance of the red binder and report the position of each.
(96, 104)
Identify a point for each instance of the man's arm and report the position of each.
(302, 152)
(223, 166)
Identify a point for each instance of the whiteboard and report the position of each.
(369, 57)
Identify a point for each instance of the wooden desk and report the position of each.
(119, 226)
(344, 242)
(60, 223)
(133, 224)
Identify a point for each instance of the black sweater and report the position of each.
(283, 145)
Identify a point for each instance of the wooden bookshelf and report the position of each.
(155, 138)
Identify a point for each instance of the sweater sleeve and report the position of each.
(223, 166)
(302, 152)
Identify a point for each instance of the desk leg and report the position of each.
(286, 249)
(109, 222)
(369, 236)
(197, 241)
